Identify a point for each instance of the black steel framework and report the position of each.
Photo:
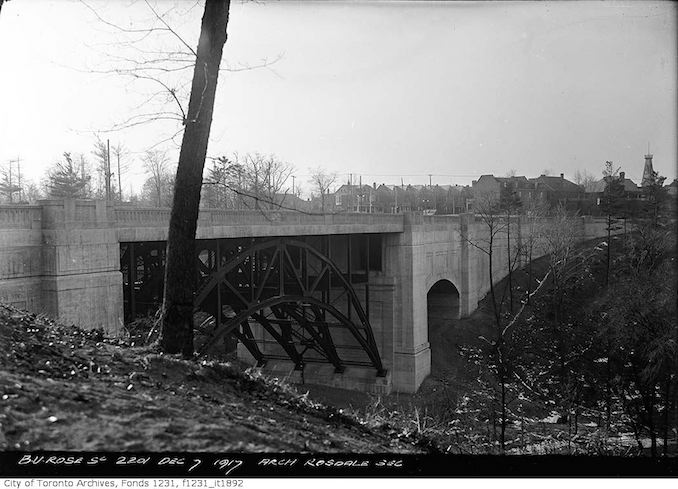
(281, 298)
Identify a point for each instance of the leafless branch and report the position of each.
(171, 91)
(522, 308)
(146, 31)
(161, 19)
(265, 63)
(140, 119)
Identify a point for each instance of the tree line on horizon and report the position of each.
(238, 181)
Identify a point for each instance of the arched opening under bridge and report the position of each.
(442, 305)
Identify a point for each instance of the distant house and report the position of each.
(551, 190)
(558, 191)
(443, 199)
(355, 198)
(632, 190)
(489, 187)
(632, 193)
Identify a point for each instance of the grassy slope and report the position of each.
(64, 388)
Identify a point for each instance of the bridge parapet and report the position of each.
(20, 255)
(420, 219)
(76, 214)
(148, 224)
(160, 217)
(135, 216)
(20, 217)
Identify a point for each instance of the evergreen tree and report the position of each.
(64, 181)
(9, 183)
(613, 204)
(654, 199)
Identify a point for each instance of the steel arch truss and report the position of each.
(297, 295)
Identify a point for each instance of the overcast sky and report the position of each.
(379, 89)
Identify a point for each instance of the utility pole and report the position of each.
(21, 188)
(11, 184)
(360, 189)
(117, 152)
(18, 172)
(350, 192)
(293, 178)
(108, 169)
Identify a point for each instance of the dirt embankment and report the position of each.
(62, 388)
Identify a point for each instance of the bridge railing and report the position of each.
(149, 217)
(19, 216)
(139, 216)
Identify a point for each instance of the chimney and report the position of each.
(374, 185)
(562, 175)
(622, 175)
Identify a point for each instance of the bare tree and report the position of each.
(32, 193)
(102, 168)
(535, 213)
(567, 266)
(585, 180)
(120, 154)
(559, 240)
(322, 181)
(251, 181)
(177, 309)
(488, 208)
(158, 185)
(267, 178)
(510, 203)
(158, 75)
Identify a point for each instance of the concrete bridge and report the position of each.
(336, 299)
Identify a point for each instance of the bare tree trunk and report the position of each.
(510, 271)
(495, 306)
(653, 433)
(503, 410)
(667, 410)
(609, 248)
(529, 273)
(177, 318)
(608, 385)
